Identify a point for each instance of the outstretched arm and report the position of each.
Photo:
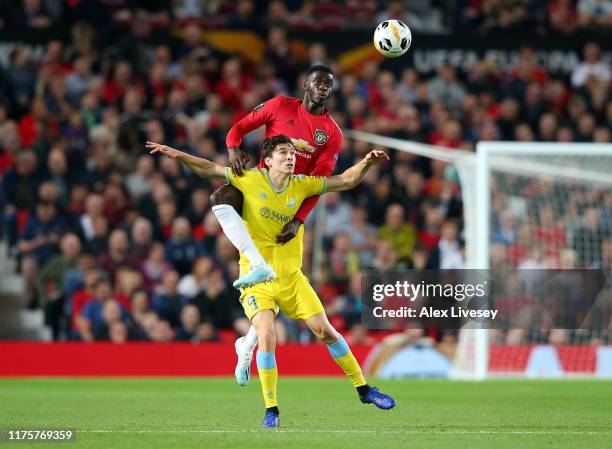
(354, 175)
(200, 166)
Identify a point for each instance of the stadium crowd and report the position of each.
(117, 245)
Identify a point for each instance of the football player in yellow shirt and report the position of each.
(272, 196)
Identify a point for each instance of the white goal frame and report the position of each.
(474, 169)
(501, 156)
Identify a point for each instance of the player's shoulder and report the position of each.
(249, 173)
(288, 101)
(335, 128)
(305, 178)
(283, 100)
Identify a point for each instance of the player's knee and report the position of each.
(216, 198)
(266, 340)
(227, 195)
(326, 333)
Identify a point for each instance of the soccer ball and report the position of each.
(392, 38)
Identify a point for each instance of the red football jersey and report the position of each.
(317, 138)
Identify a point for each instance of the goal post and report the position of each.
(559, 198)
(572, 179)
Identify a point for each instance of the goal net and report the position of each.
(547, 206)
(531, 206)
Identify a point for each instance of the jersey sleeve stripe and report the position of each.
(324, 185)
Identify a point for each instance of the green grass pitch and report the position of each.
(315, 413)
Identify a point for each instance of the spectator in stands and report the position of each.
(118, 254)
(20, 80)
(446, 88)
(243, 17)
(386, 257)
(142, 238)
(338, 214)
(39, 242)
(349, 305)
(563, 16)
(77, 83)
(342, 261)
(206, 332)
(162, 332)
(506, 233)
(32, 14)
(219, 304)
(402, 235)
(591, 66)
(19, 188)
(127, 281)
(448, 253)
(140, 305)
(182, 250)
(396, 9)
(111, 314)
(190, 319)
(118, 332)
(78, 296)
(197, 208)
(138, 183)
(362, 237)
(167, 302)
(595, 13)
(91, 317)
(50, 282)
(154, 267)
(191, 284)
(135, 46)
(58, 173)
(94, 206)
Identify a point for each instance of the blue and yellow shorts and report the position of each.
(292, 293)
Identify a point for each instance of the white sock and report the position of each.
(236, 231)
(250, 339)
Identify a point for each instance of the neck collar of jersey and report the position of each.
(276, 190)
(322, 114)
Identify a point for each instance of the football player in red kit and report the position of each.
(317, 139)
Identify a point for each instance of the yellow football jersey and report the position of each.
(266, 210)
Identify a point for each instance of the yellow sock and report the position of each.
(347, 361)
(268, 376)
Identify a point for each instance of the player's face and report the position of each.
(318, 87)
(282, 159)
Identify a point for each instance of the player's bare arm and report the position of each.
(354, 175)
(200, 166)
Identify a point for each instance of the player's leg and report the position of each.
(340, 351)
(227, 206)
(299, 301)
(244, 351)
(260, 307)
(338, 348)
(266, 364)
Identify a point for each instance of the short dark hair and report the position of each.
(319, 68)
(269, 145)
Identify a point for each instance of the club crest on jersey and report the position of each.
(291, 202)
(320, 137)
(259, 107)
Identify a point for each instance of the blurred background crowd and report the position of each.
(116, 245)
